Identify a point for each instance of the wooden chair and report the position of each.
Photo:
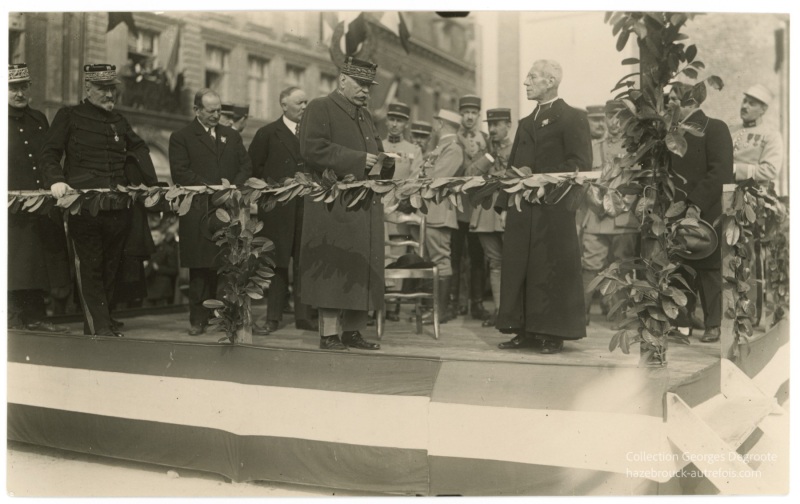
(408, 273)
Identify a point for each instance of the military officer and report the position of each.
(37, 246)
(757, 147)
(421, 134)
(487, 224)
(234, 116)
(98, 145)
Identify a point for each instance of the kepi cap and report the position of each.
(449, 116)
(596, 111)
(18, 73)
(498, 114)
(362, 71)
(469, 101)
(421, 128)
(100, 73)
(399, 109)
(241, 110)
(760, 93)
(613, 106)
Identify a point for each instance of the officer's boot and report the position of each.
(477, 287)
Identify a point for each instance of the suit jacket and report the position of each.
(541, 285)
(196, 159)
(275, 154)
(706, 166)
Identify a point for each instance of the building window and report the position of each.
(216, 69)
(257, 86)
(327, 84)
(143, 50)
(295, 76)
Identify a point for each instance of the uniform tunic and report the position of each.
(342, 249)
(409, 163)
(37, 247)
(757, 152)
(487, 220)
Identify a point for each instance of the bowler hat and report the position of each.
(101, 74)
(498, 114)
(18, 73)
(362, 71)
(411, 260)
(469, 101)
(760, 93)
(701, 239)
(399, 109)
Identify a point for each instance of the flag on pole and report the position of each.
(172, 62)
(115, 18)
(396, 24)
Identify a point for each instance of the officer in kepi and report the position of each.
(100, 150)
(37, 248)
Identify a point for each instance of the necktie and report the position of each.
(297, 129)
(212, 132)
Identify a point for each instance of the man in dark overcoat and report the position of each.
(204, 152)
(96, 142)
(541, 294)
(37, 247)
(702, 171)
(342, 250)
(275, 153)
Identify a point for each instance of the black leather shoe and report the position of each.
(306, 325)
(197, 330)
(47, 327)
(490, 321)
(269, 326)
(711, 335)
(117, 324)
(520, 341)
(552, 346)
(331, 343)
(353, 339)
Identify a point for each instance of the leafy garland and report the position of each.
(756, 218)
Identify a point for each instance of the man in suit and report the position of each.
(541, 296)
(342, 249)
(275, 153)
(100, 150)
(702, 171)
(204, 152)
(37, 247)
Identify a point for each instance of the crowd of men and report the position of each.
(540, 257)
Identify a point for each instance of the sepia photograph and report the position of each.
(352, 252)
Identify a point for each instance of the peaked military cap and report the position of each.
(498, 114)
(101, 73)
(760, 93)
(399, 109)
(596, 111)
(449, 116)
(18, 73)
(226, 109)
(241, 110)
(362, 71)
(469, 101)
(421, 128)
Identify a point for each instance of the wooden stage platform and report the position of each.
(462, 339)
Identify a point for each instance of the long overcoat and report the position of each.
(196, 159)
(706, 166)
(37, 245)
(541, 286)
(342, 250)
(275, 154)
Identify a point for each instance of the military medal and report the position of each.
(116, 136)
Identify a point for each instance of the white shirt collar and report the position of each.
(290, 124)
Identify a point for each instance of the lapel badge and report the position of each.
(546, 122)
(223, 139)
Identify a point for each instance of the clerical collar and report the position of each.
(290, 124)
(548, 102)
(751, 124)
